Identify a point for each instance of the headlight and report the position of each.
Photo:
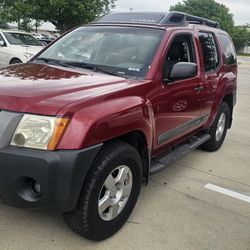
(39, 132)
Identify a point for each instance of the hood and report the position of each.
(43, 89)
(25, 53)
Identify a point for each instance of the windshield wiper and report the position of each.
(89, 66)
(51, 61)
(93, 67)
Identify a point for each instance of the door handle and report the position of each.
(199, 88)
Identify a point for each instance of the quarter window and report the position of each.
(209, 49)
(228, 49)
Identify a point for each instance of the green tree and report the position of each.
(3, 24)
(241, 36)
(26, 24)
(37, 24)
(3, 20)
(209, 9)
(218, 12)
(19, 11)
(64, 14)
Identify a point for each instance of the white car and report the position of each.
(38, 36)
(17, 47)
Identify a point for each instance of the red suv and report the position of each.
(86, 122)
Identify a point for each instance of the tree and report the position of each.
(26, 24)
(3, 24)
(64, 14)
(37, 24)
(241, 36)
(19, 11)
(3, 20)
(218, 12)
(208, 9)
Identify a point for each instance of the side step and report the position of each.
(174, 155)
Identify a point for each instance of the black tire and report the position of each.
(214, 144)
(85, 219)
(15, 61)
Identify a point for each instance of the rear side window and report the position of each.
(209, 49)
(229, 53)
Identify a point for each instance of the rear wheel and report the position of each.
(109, 194)
(219, 129)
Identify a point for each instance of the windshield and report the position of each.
(118, 50)
(21, 39)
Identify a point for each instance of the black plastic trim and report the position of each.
(61, 175)
(171, 18)
(171, 133)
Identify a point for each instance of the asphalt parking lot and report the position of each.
(175, 211)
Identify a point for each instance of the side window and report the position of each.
(228, 49)
(180, 50)
(209, 49)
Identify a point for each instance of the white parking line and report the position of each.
(228, 192)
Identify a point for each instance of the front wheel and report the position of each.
(110, 193)
(15, 61)
(218, 129)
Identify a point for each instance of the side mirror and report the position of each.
(2, 44)
(182, 70)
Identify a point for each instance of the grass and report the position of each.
(243, 54)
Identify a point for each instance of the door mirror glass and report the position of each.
(183, 70)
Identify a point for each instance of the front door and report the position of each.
(178, 108)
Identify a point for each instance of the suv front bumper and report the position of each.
(60, 174)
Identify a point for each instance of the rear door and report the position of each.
(211, 70)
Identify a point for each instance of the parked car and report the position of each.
(44, 38)
(38, 36)
(46, 41)
(17, 47)
(87, 121)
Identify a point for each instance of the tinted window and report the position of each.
(228, 49)
(210, 54)
(180, 50)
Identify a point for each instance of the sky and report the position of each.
(239, 8)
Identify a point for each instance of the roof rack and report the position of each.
(155, 18)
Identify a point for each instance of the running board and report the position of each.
(160, 163)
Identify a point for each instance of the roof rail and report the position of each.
(193, 19)
(155, 18)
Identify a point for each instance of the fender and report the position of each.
(107, 120)
(228, 86)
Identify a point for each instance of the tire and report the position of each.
(217, 139)
(15, 61)
(86, 220)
